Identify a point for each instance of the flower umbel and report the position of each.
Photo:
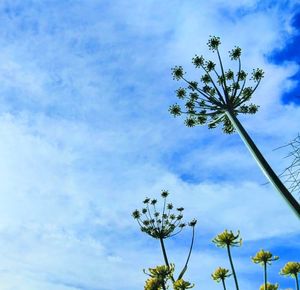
(160, 225)
(182, 285)
(227, 239)
(264, 257)
(220, 92)
(220, 274)
(290, 269)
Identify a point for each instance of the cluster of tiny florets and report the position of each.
(207, 101)
(160, 225)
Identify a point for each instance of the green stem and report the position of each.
(188, 257)
(232, 268)
(265, 167)
(223, 282)
(165, 256)
(265, 274)
(297, 282)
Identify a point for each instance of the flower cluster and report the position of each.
(218, 91)
(158, 277)
(182, 285)
(291, 269)
(160, 225)
(226, 239)
(220, 274)
(264, 257)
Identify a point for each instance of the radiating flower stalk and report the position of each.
(291, 269)
(219, 97)
(163, 225)
(228, 239)
(264, 258)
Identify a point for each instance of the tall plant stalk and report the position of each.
(223, 283)
(265, 275)
(263, 164)
(232, 268)
(165, 255)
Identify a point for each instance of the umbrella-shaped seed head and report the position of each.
(290, 269)
(220, 274)
(227, 238)
(264, 257)
(269, 286)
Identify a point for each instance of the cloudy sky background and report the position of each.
(86, 136)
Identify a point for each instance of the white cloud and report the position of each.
(96, 139)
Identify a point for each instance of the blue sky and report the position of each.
(86, 135)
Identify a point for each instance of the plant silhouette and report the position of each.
(220, 97)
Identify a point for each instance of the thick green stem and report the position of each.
(265, 167)
(165, 256)
(223, 282)
(232, 268)
(265, 274)
(297, 282)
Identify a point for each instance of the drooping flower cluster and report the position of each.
(207, 101)
(160, 225)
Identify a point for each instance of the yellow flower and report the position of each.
(291, 269)
(227, 239)
(269, 286)
(182, 285)
(264, 257)
(220, 274)
(153, 284)
(161, 272)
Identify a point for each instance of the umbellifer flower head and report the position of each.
(290, 269)
(227, 238)
(182, 285)
(160, 225)
(219, 91)
(264, 257)
(220, 274)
